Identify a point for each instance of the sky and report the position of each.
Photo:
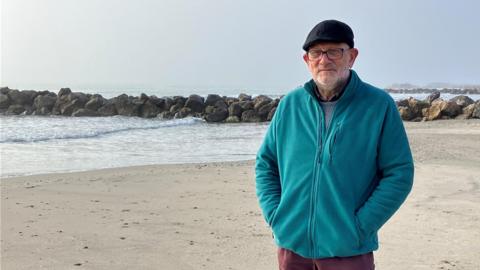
(229, 44)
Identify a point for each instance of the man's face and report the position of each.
(329, 72)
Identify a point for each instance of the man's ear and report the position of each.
(305, 58)
(353, 56)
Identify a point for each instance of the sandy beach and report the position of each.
(206, 216)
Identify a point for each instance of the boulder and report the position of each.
(264, 110)
(235, 110)
(127, 105)
(64, 92)
(44, 103)
(260, 104)
(81, 98)
(165, 115)
(212, 99)
(67, 102)
(197, 115)
(425, 113)
(42, 111)
(275, 102)
(467, 112)
(168, 103)
(232, 119)
(271, 114)
(435, 110)
(416, 106)
(244, 97)
(250, 116)
(230, 100)
(261, 98)
(4, 90)
(217, 115)
(402, 103)
(183, 112)
(209, 109)
(476, 110)
(433, 96)
(71, 106)
(180, 100)
(29, 110)
(159, 102)
(175, 108)
(15, 109)
(108, 109)
(23, 98)
(144, 97)
(247, 105)
(221, 104)
(4, 101)
(405, 113)
(149, 109)
(462, 100)
(62, 101)
(195, 103)
(85, 112)
(452, 109)
(95, 102)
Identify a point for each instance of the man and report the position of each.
(335, 163)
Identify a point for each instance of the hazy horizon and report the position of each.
(233, 45)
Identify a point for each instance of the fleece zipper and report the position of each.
(322, 139)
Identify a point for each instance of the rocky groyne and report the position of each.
(213, 108)
(434, 108)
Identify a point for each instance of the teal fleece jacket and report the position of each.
(326, 193)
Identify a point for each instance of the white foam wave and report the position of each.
(61, 128)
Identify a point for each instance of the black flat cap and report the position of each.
(329, 30)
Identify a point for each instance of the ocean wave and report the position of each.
(87, 132)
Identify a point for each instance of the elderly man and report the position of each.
(335, 163)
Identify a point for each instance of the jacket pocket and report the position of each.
(274, 215)
(360, 236)
(333, 140)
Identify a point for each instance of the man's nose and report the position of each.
(324, 58)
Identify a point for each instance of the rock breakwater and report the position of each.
(213, 108)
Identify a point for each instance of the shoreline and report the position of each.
(206, 216)
(451, 126)
(131, 167)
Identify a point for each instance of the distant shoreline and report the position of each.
(455, 91)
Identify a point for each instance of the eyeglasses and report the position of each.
(332, 54)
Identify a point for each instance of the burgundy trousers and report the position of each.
(288, 260)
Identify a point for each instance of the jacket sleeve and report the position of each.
(394, 170)
(267, 178)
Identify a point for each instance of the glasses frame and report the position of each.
(326, 53)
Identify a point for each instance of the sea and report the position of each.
(51, 144)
